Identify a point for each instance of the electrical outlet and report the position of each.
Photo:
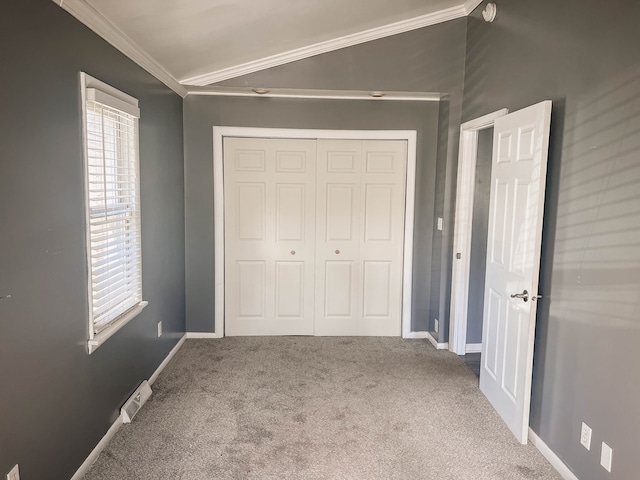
(606, 456)
(14, 474)
(585, 436)
(159, 329)
(437, 325)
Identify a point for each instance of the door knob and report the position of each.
(337, 252)
(293, 252)
(524, 295)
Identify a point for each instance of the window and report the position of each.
(112, 200)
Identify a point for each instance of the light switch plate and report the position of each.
(159, 329)
(14, 474)
(436, 325)
(585, 436)
(440, 223)
(606, 457)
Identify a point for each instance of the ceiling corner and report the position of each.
(89, 16)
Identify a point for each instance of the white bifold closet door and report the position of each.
(360, 225)
(313, 236)
(269, 189)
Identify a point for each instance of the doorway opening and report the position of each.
(472, 210)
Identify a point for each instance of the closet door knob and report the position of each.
(293, 252)
(337, 252)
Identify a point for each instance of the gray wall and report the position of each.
(426, 60)
(583, 55)
(56, 401)
(201, 113)
(480, 227)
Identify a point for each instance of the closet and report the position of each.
(314, 236)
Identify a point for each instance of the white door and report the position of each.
(269, 188)
(518, 177)
(290, 224)
(360, 225)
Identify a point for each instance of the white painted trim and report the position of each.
(471, 5)
(463, 227)
(93, 456)
(416, 335)
(249, 132)
(97, 22)
(167, 359)
(93, 19)
(95, 453)
(434, 342)
(98, 339)
(555, 461)
(329, 46)
(473, 348)
(191, 335)
(316, 94)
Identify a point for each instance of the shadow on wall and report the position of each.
(596, 258)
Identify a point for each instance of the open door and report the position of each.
(518, 179)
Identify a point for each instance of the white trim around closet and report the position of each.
(218, 202)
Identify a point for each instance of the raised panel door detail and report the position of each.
(341, 162)
(289, 289)
(250, 161)
(251, 289)
(377, 289)
(500, 222)
(520, 228)
(511, 344)
(338, 289)
(380, 162)
(526, 139)
(251, 211)
(290, 212)
(494, 319)
(291, 162)
(505, 147)
(339, 211)
(378, 213)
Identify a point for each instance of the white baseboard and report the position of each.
(202, 335)
(551, 457)
(417, 335)
(434, 342)
(93, 456)
(473, 348)
(168, 358)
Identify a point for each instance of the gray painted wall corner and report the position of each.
(52, 388)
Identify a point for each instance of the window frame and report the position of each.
(92, 89)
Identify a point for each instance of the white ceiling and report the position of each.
(199, 42)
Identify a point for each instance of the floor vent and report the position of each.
(135, 402)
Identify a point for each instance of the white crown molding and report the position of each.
(471, 5)
(103, 27)
(93, 19)
(317, 94)
(331, 45)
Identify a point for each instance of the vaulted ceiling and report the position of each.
(200, 42)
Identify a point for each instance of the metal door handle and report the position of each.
(524, 295)
(293, 252)
(337, 252)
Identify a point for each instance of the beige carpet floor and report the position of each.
(317, 408)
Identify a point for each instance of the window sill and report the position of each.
(104, 335)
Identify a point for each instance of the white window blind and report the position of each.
(113, 209)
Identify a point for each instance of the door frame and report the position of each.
(463, 227)
(219, 132)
